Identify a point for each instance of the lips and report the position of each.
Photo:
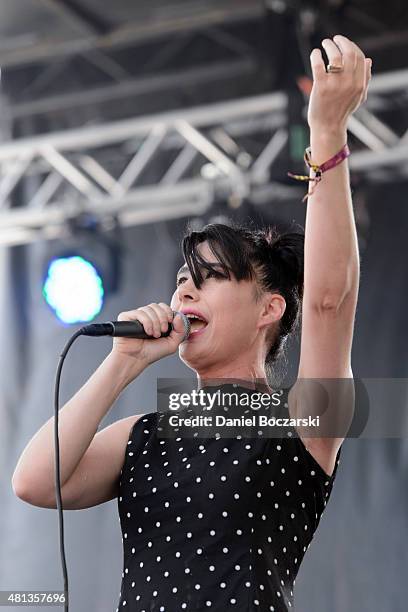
(197, 321)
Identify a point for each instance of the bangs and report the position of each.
(230, 247)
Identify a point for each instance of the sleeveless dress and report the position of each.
(215, 523)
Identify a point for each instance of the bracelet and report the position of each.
(319, 169)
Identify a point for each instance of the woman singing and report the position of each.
(224, 523)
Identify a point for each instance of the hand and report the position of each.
(155, 319)
(335, 96)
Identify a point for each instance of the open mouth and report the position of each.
(197, 323)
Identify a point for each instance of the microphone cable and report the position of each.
(112, 328)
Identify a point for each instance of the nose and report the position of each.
(187, 291)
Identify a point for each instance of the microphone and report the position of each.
(131, 329)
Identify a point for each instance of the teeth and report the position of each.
(193, 316)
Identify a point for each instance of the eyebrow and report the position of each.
(215, 264)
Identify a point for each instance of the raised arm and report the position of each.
(331, 258)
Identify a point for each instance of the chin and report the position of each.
(194, 359)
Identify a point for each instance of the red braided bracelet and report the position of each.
(319, 169)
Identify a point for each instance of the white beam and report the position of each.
(105, 134)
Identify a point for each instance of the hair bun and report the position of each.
(289, 248)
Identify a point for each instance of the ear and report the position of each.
(272, 309)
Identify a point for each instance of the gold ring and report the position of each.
(333, 68)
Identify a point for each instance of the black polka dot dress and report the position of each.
(215, 523)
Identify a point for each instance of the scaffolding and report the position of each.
(203, 156)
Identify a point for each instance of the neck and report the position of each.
(251, 376)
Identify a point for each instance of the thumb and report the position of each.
(179, 331)
(317, 64)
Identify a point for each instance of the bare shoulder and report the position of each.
(96, 478)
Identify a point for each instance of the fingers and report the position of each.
(179, 326)
(354, 59)
(333, 52)
(317, 64)
(349, 51)
(162, 315)
(155, 318)
(342, 51)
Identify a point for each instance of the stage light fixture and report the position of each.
(74, 289)
(82, 272)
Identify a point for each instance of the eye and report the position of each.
(215, 274)
(212, 274)
(208, 274)
(180, 280)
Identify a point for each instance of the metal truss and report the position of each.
(94, 34)
(173, 164)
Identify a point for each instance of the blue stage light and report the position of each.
(74, 289)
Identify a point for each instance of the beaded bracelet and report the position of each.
(319, 169)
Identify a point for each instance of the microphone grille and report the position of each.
(186, 321)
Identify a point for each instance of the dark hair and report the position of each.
(273, 259)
